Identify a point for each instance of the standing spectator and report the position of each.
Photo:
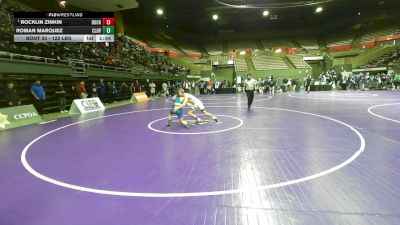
(93, 91)
(271, 84)
(205, 88)
(193, 87)
(294, 85)
(74, 92)
(11, 95)
(186, 86)
(298, 86)
(249, 88)
(152, 86)
(60, 93)
(171, 89)
(132, 88)
(260, 87)
(137, 87)
(308, 84)
(211, 87)
(124, 90)
(109, 94)
(39, 96)
(164, 89)
(101, 88)
(114, 91)
(396, 81)
(81, 90)
(147, 87)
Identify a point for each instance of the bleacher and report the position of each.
(341, 40)
(233, 45)
(298, 62)
(20, 6)
(389, 58)
(352, 53)
(277, 43)
(213, 48)
(220, 58)
(265, 62)
(308, 43)
(370, 36)
(241, 65)
(188, 48)
(395, 64)
(159, 44)
(200, 61)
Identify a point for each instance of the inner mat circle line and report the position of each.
(377, 115)
(27, 166)
(149, 125)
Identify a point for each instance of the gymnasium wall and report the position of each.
(288, 73)
(187, 63)
(224, 74)
(27, 67)
(36, 68)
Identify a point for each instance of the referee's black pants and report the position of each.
(250, 97)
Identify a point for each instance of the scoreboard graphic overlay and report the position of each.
(64, 27)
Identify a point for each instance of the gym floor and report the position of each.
(318, 158)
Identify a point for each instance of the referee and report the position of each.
(249, 87)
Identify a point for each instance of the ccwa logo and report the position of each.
(3, 121)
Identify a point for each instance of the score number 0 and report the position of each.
(108, 21)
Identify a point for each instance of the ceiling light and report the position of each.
(265, 13)
(242, 53)
(160, 11)
(215, 17)
(318, 10)
(359, 13)
(63, 4)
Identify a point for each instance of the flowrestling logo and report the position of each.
(3, 121)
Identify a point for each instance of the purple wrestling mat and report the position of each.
(318, 158)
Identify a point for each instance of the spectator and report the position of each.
(137, 87)
(271, 84)
(396, 81)
(60, 93)
(109, 93)
(152, 86)
(39, 96)
(114, 91)
(132, 88)
(164, 91)
(308, 83)
(93, 91)
(147, 87)
(102, 90)
(124, 90)
(81, 90)
(11, 95)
